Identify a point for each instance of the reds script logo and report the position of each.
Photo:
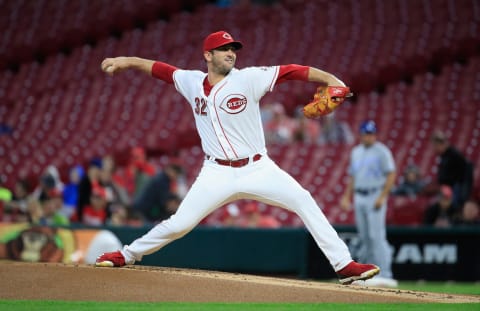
(234, 103)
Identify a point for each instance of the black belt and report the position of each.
(236, 163)
(366, 191)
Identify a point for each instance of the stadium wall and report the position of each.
(418, 253)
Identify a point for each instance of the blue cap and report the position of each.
(96, 162)
(368, 127)
(79, 169)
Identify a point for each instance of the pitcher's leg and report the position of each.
(268, 183)
(204, 197)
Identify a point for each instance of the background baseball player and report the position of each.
(372, 174)
(225, 105)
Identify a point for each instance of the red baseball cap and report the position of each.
(446, 191)
(219, 38)
(99, 191)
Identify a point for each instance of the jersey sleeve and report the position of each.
(388, 161)
(261, 79)
(163, 71)
(185, 81)
(292, 72)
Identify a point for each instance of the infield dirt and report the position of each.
(45, 281)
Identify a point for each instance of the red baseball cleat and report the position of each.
(114, 259)
(355, 271)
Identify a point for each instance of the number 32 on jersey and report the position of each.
(200, 106)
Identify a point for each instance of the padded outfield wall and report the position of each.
(418, 253)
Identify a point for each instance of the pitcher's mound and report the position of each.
(139, 283)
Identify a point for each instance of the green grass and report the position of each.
(439, 287)
(442, 287)
(450, 287)
(16, 305)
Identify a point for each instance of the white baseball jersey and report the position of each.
(228, 120)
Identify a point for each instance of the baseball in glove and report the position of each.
(325, 100)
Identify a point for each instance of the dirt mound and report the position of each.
(153, 284)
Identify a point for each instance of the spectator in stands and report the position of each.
(5, 196)
(280, 128)
(158, 200)
(118, 216)
(454, 169)
(253, 218)
(172, 204)
(16, 209)
(230, 216)
(46, 211)
(70, 191)
(470, 214)
(442, 212)
(136, 174)
(118, 194)
(85, 187)
(49, 180)
(334, 132)
(34, 210)
(306, 130)
(5, 193)
(21, 191)
(117, 197)
(411, 183)
(266, 112)
(95, 214)
(45, 186)
(52, 170)
(134, 219)
(124, 216)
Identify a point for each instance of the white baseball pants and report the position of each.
(262, 180)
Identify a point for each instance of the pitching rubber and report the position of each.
(364, 276)
(105, 263)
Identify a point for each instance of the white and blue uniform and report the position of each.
(369, 167)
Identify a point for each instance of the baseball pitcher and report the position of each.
(225, 104)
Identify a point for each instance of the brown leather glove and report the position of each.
(325, 100)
